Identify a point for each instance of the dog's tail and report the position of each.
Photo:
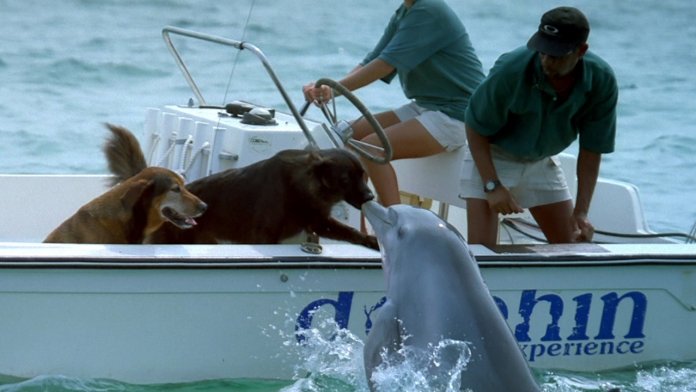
(124, 156)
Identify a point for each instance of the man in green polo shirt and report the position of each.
(534, 103)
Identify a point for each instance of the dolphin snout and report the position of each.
(378, 216)
(374, 210)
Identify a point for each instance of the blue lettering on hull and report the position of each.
(553, 342)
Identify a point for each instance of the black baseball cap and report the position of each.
(560, 32)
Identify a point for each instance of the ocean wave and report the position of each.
(59, 383)
(129, 69)
(97, 42)
(184, 23)
(682, 145)
(152, 4)
(75, 71)
(30, 144)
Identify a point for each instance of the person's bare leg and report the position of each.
(409, 139)
(481, 222)
(361, 128)
(554, 220)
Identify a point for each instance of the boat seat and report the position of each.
(46, 209)
(617, 198)
(435, 177)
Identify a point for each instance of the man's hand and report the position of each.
(501, 201)
(583, 230)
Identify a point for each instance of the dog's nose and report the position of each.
(369, 195)
(202, 207)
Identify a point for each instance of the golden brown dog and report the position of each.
(140, 202)
(275, 199)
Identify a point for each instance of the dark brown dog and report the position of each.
(143, 199)
(275, 199)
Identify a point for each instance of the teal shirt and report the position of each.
(517, 109)
(433, 56)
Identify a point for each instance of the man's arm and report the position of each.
(481, 152)
(500, 200)
(587, 172)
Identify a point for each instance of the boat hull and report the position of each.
(150, 314)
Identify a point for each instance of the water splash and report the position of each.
(667, 378)
(562, 382)
(331, 359)
(656, 377)
(412, 369)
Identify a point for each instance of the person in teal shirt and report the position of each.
(534, 103)
(427, 46)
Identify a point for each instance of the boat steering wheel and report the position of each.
(343, 129)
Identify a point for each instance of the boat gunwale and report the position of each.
(313, 262)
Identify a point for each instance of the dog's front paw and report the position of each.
(371, 242)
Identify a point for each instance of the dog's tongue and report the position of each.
(191, 221)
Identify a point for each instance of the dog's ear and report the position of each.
(134, 193)
(163, 182)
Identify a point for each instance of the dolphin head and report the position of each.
(404, 232)
(382, 221)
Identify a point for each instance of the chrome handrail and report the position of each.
(166, 31)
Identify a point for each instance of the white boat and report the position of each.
(168, 313)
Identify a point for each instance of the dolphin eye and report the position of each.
(402, 231)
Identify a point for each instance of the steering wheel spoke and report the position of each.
(343, 129)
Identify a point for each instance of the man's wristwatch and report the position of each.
(491, 185)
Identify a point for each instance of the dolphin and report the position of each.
(434, 292)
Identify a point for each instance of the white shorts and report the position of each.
(448, 131)
(532, 183)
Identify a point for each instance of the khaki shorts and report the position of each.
(532, 183)
(448, 131)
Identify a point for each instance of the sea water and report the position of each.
(68, 66)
